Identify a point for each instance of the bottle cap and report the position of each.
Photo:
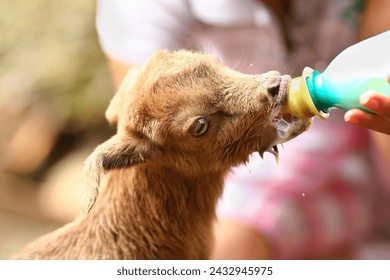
(299, 102)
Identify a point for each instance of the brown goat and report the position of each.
(183, 119)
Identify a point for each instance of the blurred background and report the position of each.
(54, 89)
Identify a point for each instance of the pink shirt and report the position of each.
(327, 191)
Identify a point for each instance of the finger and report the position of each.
(378, 103)
(367, 120)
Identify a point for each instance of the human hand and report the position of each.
(376, 102)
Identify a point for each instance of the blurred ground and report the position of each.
(54, 88)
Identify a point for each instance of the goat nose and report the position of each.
(274, 86)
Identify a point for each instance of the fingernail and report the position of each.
(369, 101)
(372, 104)
(348, 117)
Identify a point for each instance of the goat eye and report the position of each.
(199, 127)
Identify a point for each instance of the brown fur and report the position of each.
(154, 185)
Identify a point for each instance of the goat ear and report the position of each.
(121, 96)
(117, 152)
(121, 156)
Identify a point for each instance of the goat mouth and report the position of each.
(285, 124)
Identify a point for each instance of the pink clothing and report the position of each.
(328, 189)
(325, 192)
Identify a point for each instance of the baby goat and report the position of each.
(183, 119)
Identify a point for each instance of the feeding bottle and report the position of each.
(359, 68)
